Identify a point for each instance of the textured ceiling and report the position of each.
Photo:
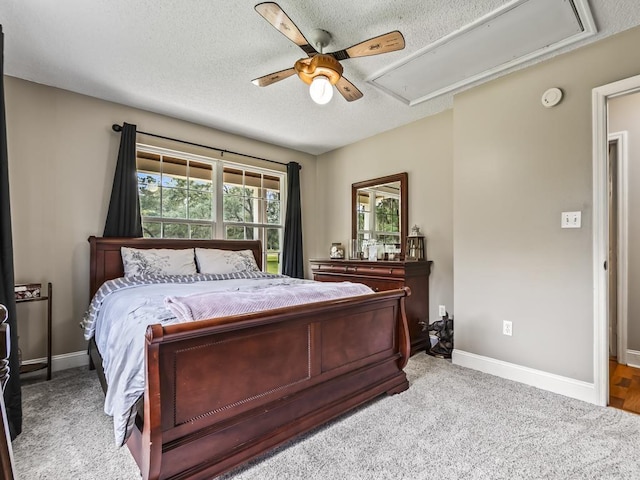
(195, 59)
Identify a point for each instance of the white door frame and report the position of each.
(622, 159)
(600, 95)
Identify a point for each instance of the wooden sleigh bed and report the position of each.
(208, 405)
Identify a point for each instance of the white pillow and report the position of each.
(212, 260)
(158, 261)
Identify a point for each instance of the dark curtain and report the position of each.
(292, 263)
(12, 393)
(123, 218)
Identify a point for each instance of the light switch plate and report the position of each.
(571, 220)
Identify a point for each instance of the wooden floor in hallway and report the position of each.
(624, 387)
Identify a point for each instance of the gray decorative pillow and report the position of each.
(158, 261)
(213, 260)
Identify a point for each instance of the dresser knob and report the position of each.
(376, 289)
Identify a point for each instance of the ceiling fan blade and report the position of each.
(389, 42)
(348, 90)
(273, 14)
(273, 77)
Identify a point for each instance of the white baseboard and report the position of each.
(64, 361)
(633, 358)
(536, 378)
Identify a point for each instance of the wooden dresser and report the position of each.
(386, 275)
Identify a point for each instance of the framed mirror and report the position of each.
(379, 212)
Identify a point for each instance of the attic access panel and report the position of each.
(520, 31)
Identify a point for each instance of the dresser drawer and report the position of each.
(382, 271)
(397, 271)
(379, 285)
(376, 284)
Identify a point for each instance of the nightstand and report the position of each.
(32, 367)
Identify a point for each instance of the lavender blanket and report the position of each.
(201, 306)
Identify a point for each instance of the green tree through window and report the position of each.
(178, 196)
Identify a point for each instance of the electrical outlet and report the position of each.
(507, 328)
(442, 310)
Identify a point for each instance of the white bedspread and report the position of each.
(122, 319)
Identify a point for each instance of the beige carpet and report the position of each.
(452, 423)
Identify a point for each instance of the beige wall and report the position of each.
(423, 149)
(517, 166)
(624, 115)
(62, 155)
(488, 183)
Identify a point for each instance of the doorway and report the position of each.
(618, 243)
(608, 245)
(614, 222)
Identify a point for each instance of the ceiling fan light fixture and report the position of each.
(320, 64)
(321, 73)
(321, 90)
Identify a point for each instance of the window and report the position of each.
(189, 196)
(252, 210)
(176, 196)
(379, 215)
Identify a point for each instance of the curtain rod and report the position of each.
(118, 128)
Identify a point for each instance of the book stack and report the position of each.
(27, 290)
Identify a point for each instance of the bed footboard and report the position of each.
(222, 391)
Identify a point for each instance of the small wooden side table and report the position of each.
(32, 367)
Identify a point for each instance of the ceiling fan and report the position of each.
(321, 71)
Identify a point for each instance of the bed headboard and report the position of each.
(106, 262)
